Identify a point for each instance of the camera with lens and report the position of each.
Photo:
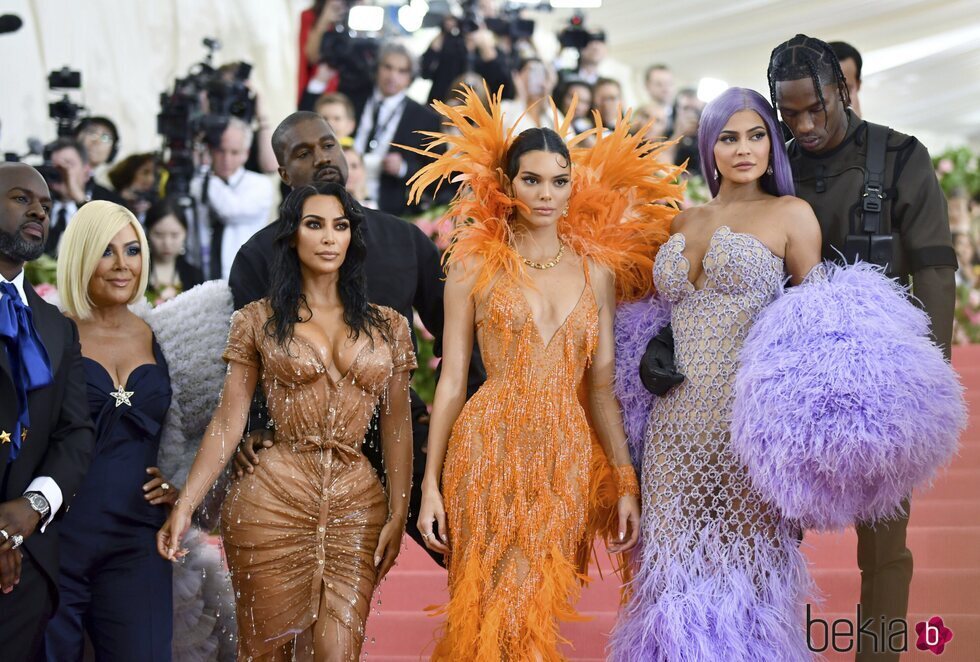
(351, 48)
(576, 36)
(198, 108)
(468, 19)
(64, 111)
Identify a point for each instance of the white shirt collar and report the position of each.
(18, 282)
(235, 178)
(388, 102)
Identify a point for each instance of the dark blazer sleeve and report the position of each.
(429, 286)
(920, 212)
(249, 276)
(73, 436)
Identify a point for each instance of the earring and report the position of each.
(564, 212)
(716, 174)
(769, 170)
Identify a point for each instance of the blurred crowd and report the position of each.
(361, 86)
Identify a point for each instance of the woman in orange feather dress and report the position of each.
(516, 486)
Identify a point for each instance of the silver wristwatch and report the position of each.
(39, 504)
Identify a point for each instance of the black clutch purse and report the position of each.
(658, 372)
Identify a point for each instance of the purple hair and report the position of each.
(713, 120)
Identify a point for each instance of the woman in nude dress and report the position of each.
(311, 532)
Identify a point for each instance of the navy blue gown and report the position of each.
(113, 583)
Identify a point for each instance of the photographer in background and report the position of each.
(345, 63)
(135, 180)
(387, 116)
(593, 59)
(100, 138)
(234, 203)
(687, 119)
(463, 46)
(313, 24)
(69, 175)
(534, 82)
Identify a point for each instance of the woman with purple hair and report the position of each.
(718, 572)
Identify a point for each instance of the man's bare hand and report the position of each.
(247, 457)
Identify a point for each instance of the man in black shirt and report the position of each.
(907, 231)
(403, 265)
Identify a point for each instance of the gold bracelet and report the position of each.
(625, 478)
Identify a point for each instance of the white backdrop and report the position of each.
(922, 58)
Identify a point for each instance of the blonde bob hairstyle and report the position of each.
(86, 238)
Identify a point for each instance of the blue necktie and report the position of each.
(29, 363)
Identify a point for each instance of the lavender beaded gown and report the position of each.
(719, 574)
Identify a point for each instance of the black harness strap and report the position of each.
(873, 194)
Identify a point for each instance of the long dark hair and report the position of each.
(285, 287)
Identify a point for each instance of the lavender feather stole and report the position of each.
(636, 323)
(843, 405)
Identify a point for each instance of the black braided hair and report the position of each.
(806, 57)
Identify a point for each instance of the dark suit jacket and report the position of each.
(60, 439)
(914, 212)
(393, 192)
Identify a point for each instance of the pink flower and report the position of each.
(422, 331)
(49, 293)
(933, 635)
(945, 166)
(974, 298)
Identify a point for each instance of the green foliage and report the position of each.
(42, 270)
(958, 169)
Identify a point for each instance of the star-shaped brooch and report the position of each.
(122, 396)
(4, 437)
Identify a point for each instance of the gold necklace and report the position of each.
(553, 262)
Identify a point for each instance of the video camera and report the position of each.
(508, 24)
(199, 106)
(351, 48)
(64, 111)
(576, 36)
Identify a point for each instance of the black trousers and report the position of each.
(25, 612)
(886, 573)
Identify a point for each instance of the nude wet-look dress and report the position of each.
(300, 532)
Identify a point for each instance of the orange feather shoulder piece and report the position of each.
(623, 198)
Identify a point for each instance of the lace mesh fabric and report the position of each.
(516, 484)
(719, 575)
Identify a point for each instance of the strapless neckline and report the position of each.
(711, 245)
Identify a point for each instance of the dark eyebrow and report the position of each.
(316, 216)
(528, 172)
(130, 243)
(340, 218)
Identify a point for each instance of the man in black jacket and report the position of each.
(896, 219)
(388, 117)
(73, 186)
(403, 266)
(46, 434)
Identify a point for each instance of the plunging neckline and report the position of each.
(316, 352)
(711, 244)
(132, 373)
(537, 328)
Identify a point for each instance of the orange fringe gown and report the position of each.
(526, 486)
